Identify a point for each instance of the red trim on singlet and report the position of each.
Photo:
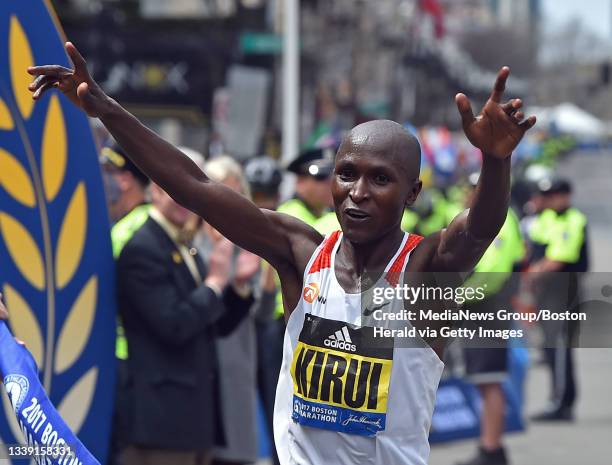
(396, 268)
(323, 260)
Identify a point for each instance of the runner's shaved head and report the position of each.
(388, 139)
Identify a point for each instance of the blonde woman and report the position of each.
(237, 352)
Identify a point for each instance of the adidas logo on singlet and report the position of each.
(341, 339)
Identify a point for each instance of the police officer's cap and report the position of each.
(318, 163)
(263, 175)
(549, 186)
(114, 156)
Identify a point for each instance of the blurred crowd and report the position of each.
(200, 323)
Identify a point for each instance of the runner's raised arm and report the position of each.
(496, 131)
(273, 236)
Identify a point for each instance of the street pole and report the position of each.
(291, 79)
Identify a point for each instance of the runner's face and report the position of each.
(370, 192)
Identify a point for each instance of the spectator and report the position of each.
(264, 179)
(237, 351)
(173, 309)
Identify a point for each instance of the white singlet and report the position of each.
(344, 396)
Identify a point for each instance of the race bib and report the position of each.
(341, 376)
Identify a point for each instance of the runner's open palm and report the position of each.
(498, 129)
(75, 83)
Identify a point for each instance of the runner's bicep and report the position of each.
(241, 221)
(302, 238)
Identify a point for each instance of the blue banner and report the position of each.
(47, 436)
(459, 406)
(56, 268)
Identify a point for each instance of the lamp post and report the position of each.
(291, 79)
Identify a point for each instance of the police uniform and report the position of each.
(432, 212)
(121, 233)
(560, 236)
(484, 365)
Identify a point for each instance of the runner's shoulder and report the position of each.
(303, 238)
(422, 256)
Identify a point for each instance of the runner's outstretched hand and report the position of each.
(285, 242)
(75, 83)
(499, 127)
(3, 313)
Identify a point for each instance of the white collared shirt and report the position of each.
(173, 232)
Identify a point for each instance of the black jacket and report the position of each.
(171, 324)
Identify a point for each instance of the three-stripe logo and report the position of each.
(341, 339)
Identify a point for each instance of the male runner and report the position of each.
(348, 401)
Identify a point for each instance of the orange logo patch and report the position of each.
(311, 292)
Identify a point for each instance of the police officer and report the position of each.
(126, 192)
(431, 212)
(125, 187)
(559, 254)
(487, 366)
(312, 200)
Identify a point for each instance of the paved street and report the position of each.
(586, 441)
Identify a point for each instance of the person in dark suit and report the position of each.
(173, 309)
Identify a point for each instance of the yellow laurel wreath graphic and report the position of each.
(72, 238)
(24, 324)
(54, 150)
(23, 250)
(6, 120)
(47, 270)
(77, 401)
(20, 59)
(15, 179)
(77, 328)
